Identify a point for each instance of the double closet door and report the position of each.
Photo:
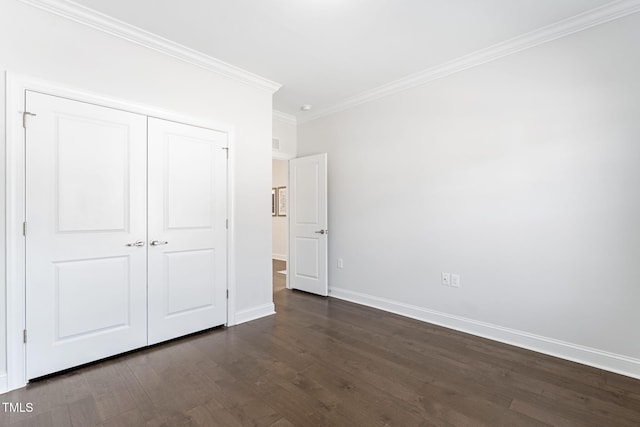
(126, 240)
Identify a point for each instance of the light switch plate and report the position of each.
(455, 280)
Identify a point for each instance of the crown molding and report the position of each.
(115, 27)
(284, 117)
(599, 15)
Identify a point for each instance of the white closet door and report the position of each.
(85, 204)
(187, 229)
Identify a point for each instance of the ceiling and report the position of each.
(326, 51)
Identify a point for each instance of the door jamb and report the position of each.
(15, 86)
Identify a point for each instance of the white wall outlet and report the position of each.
(340, 263)
(446, 279)
(455, 280)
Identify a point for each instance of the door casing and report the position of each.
(16, 86)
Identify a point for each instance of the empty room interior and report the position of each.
(454, 237)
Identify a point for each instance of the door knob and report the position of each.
(322, 232)
(158, 242)
(138, 243)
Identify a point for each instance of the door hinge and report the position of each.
(226, 223)
(24, 118)
(227, 293)
(24, 228)
(24, 336)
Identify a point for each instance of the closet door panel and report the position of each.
(86, 295)
(187, 229)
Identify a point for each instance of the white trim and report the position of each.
(617, 363)
(254, 313)
(599, 15)
(289, 119)
(3, 383)
(231, 231)
(115, 27)
(15, 245)
(279, 257)
(15, 196)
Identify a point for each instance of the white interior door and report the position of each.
(308, 224)
(187, 229)
(85, 206)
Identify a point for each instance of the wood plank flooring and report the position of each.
(326, 362)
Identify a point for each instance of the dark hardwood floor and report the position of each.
(322, 361)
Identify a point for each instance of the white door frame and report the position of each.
(15, 85)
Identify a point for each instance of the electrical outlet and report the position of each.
(340, 263)
(446, 279)
(455, 280)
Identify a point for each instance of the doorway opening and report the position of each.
(279, 223)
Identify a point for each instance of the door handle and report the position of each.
(158, 242)
(138, 243)
(322, 232)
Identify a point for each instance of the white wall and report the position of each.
(280, 224)
(286, 131)
(522, 176)
(39, 44)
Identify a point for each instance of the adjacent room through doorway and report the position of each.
(280, 224)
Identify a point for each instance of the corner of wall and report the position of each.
(285, 130)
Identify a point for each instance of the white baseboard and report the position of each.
(255, 313)
(279, 257)
(4, 386)
(617, 363)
